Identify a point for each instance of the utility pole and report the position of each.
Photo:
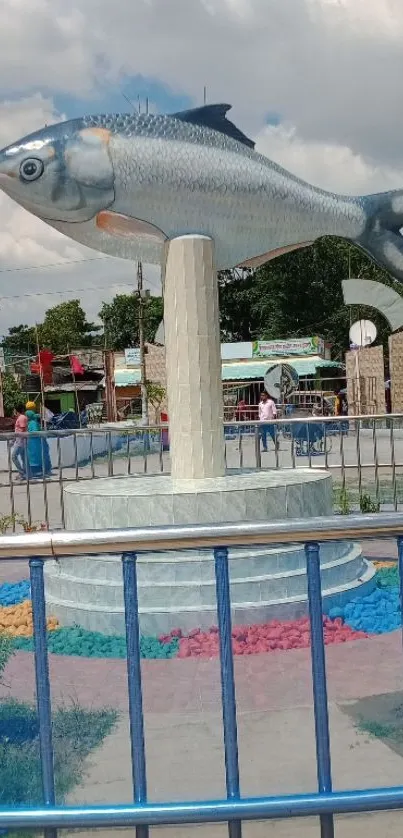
(143, 379)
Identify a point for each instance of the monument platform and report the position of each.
(177, 589)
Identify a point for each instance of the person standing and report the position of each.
(18, 451)
(38, 447)
(267, 412)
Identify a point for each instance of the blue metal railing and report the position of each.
(324, 803)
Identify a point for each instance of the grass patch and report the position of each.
(76, 733)
(381, 717)
(347, 499)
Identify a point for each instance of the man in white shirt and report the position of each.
(267, 411)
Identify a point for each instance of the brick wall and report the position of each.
(156, 372)
(396, 371)
(369, 395)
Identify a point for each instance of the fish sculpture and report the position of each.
(126, 184)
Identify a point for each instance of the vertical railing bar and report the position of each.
(309, 445)
(43, 698)
(319, 684)
(44, 483)
(27, 469)
(241, 446)
(76, 455)
(10, 477)
(92, 453)
(139, 777)
(129, 461)
(110, 455)
(60, 473)
(293, 462)
(342, 460)
(325, 444)
(376, 462)
(228, 697)
(276, 444)
(393, 464)
(258, 456)
(145, 447)
(358, 450)
(161, 450)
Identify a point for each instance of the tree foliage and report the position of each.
(65, 327)
(300, 294)
(20, 341)
(121, 320)
(12, 394)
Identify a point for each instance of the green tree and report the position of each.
(20, 341)
(12, 395)
(121, 320)
(65, 327)
(238, 319)
(300, 294)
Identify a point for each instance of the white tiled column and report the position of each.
(193, 359)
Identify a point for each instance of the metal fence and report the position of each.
(323, 803)
(363, 453)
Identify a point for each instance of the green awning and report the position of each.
(241, 371)
(249, 371)
(127, 378)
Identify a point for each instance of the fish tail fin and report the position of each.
(382, 238)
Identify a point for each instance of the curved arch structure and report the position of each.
(367, 292)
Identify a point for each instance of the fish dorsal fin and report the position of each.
(214, 116)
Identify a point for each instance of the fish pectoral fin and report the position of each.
(258, 261)
(118, 224)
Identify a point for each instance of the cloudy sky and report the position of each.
(316, 82)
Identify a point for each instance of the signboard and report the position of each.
(236, 351)
(280, 381)
(132, 356)
(294, 346)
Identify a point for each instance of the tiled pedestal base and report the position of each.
(177, 590)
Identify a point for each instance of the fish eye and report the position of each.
(31, 169)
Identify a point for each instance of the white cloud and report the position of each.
(331, 67)
(329, 166)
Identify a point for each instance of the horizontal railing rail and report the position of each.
(58, 543)
(142, 814)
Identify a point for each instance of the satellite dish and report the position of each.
(280, 381)
(362, 333)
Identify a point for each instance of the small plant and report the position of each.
(368, 506)
(76, 733)
(155, 394)
(11, 522)
(6, 651)
(344, 502)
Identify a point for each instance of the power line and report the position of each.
(72, 290)
(55, 264)
(67, 291)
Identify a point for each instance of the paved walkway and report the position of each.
(267, 682)
(276, 738)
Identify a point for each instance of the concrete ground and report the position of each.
(276, 735)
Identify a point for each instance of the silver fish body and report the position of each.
(126, 184)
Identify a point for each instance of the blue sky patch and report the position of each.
(112, 98)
